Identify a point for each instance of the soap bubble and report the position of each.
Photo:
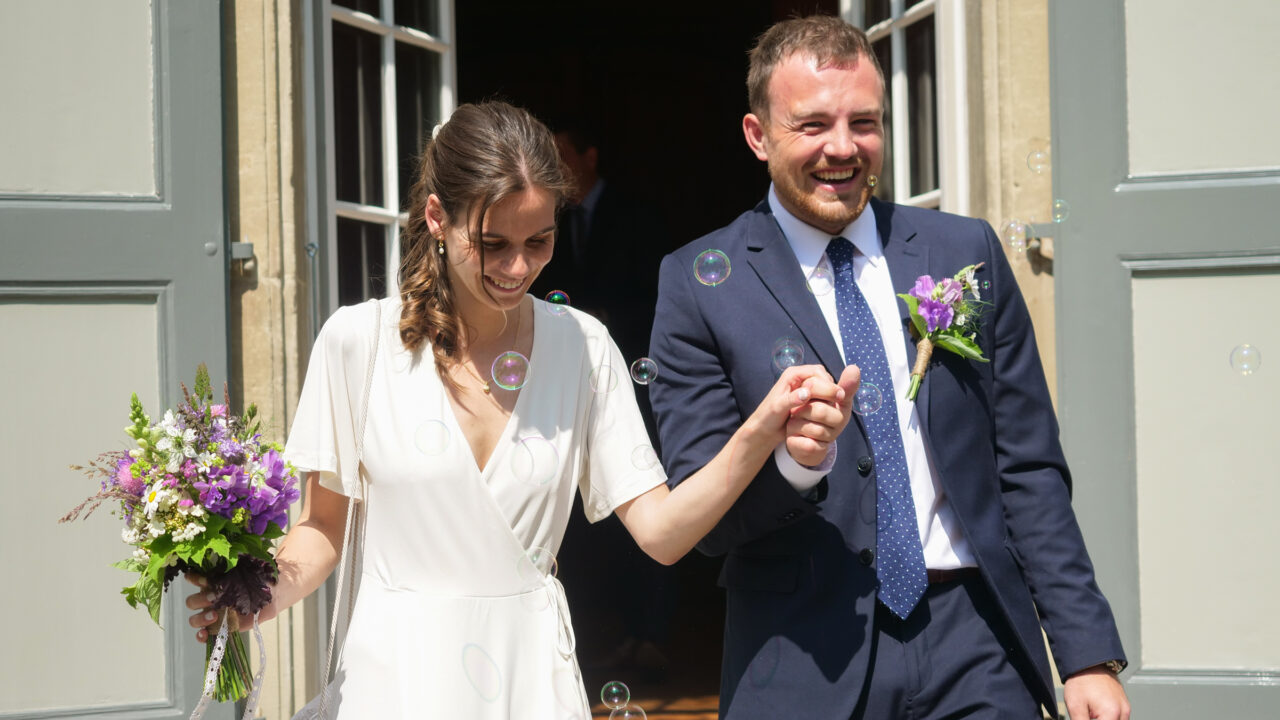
(1014, 234)
(558, 302)
(615, 694)
(630, 712)
(534, 461)
(867, 399)
(432, 437)
(644, 457)
(711, 267)
(1038, 161)
(1060, 210)
(821, 282)
(1245, 359)
(786, 353)
(603, 379)
(482, 672)
(510, 370)
(644, 371)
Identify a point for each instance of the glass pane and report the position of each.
(364, 6)
(421, 14)
(417, 109)
(884, 188)
(362, 261)
(357, 115)
(873, 11)
(924, 109)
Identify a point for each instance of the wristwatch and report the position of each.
(1115, 666)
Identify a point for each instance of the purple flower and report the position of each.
(923, 289)
(949, 291)
(231, 451)
(225, 491)
(937, 315)
(125, 478)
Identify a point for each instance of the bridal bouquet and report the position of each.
(201, 491)
(944, 313)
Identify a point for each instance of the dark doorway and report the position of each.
(663, 88)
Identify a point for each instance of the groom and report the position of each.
(907, 569)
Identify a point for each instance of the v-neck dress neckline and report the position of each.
(513, 420)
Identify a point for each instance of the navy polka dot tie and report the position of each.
(900, 566)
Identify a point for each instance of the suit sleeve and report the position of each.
(1035, 487)
(697, 409)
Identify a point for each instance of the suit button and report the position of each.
(865, 464)
(867, 556)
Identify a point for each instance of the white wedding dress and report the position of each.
(456, 614)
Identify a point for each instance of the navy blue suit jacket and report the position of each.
(800, 575)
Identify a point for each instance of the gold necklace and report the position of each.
(484, 384)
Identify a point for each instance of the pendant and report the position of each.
(485, 387)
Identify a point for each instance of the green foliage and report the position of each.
(960, 345)
(913, 307)
(202, 389)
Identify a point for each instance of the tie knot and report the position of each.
(840, 252)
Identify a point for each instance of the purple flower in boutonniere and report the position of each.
(944, 313)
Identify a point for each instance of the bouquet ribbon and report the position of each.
(215, 663)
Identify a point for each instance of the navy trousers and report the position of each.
(953, 657)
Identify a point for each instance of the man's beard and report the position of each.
(807, 209)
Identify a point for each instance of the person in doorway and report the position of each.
(907, 569)
(606, 263)
(464, 416)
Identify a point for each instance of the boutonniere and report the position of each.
(945, 314)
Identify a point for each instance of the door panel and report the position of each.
(1159, 271)
(113, 276)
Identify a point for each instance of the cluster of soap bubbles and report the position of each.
(1245, 359)
(1015, 232)
(617, 697)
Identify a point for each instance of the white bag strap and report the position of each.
(353, 537)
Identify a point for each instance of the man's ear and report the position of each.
(753, 130)
(591, 157)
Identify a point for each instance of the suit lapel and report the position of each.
(775, 264)
(908, 258)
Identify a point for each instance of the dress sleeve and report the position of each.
(621, 463)
(323, 436)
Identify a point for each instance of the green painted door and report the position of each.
(113, 279)
(1167, 268)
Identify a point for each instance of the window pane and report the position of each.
(923, 102)
(420, 14)
(417, 109)
(357, 115)
(884, 188)
(362, 263)
(364, 6)
(873, 11)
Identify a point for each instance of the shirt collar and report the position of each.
(810, 244)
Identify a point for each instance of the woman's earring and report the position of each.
(872, 180)
(440, 246)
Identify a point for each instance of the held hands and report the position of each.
(810, 410)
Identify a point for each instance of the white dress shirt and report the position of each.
(945, 547)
